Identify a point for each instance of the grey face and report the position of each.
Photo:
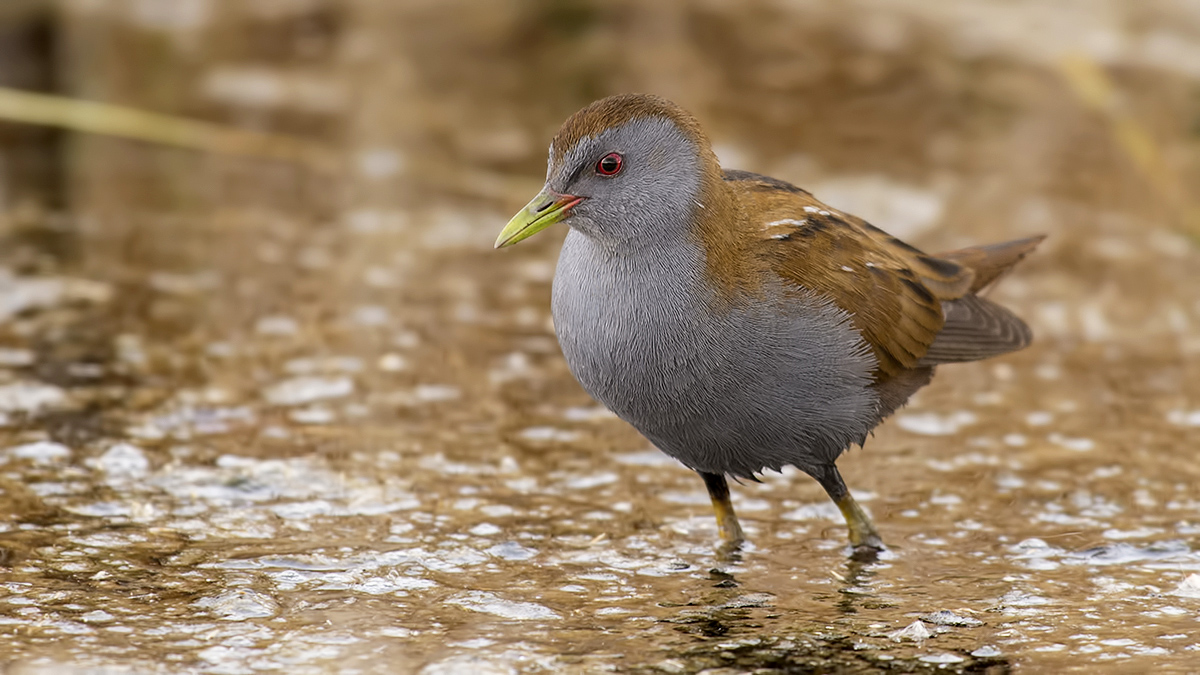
(652, 196)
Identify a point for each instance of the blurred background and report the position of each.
(259, 363)
(945, 125)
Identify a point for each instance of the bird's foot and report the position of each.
(864, 538)
(730, 550)
(868, 540)
(866, 553)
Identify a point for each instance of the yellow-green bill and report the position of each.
(544, 210)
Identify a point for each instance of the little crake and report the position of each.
(734, 320)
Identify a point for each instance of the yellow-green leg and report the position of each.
(727, 522)
(862, 531)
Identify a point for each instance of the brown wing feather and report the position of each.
(914, 310)
(977, 328)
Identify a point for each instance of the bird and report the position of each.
(734, 320)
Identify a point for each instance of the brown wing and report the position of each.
(892, 291)
(913, 309)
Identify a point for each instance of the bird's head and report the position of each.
(625, 169)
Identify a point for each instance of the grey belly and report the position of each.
(734, 391)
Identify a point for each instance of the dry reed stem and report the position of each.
(141, 125)
(1097, 91)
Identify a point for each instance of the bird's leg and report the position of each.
(727, 522)
(863, 534)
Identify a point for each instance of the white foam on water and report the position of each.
(933, 424)
(31, 397)
(490, 603)
(307, 389)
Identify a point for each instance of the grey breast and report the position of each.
(723, 389)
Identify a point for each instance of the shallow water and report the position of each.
(250, 441)
(420, 484)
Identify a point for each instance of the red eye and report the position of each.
(609, 165)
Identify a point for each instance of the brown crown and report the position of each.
(612, 112)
